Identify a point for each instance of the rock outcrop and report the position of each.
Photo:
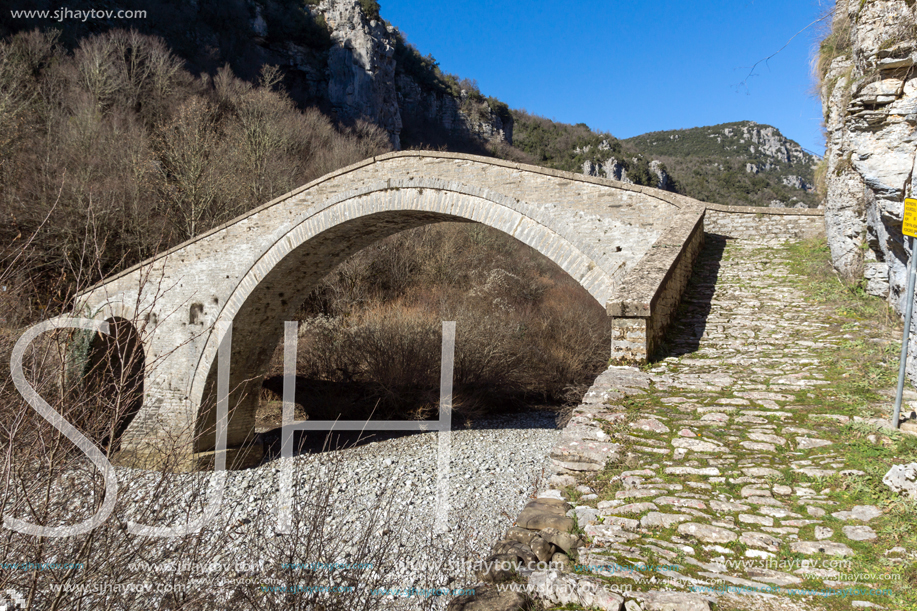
(361, 66)
(358, 76)
(869, 97)
(616, 169)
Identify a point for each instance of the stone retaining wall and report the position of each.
(780, 224)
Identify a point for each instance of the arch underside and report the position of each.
(275, 287)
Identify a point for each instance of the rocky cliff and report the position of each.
(869, 97)
(870, 104)
(364, 80)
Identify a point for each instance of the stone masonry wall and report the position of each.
(779, 224)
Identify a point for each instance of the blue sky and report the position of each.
(630, 67)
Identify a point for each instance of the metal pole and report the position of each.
(911, 275)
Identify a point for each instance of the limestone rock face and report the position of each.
(361, 67)
(358, 77)
(616, 170)
(869, 98)
(448, 112)
(768, 141)
(663, 179)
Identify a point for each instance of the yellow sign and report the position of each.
(909, 226)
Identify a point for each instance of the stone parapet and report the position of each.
(645, 303)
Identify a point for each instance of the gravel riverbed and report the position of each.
(363, 517)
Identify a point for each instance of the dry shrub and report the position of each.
(133, 154)
(524, 329)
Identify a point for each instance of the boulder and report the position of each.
(902, 479)
(486, 599)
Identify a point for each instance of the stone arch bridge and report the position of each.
(630, 247)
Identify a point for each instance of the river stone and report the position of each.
(609, 532)
(697, 445)
(545, 513)
(585, 515)
(632, 508)
(763, 500)
(807, 443)
(705, 471)
(706, 533)
(497, 568)
(637, 493)
(562, 481)
(726, 506)
(650, 425)
(521, 551)
(563, 540)
(773, 439)
(753, 539)
(753, 519)
(655, 600)
(542, 549)
(815, 471)
(822, 533)
(625, 523)
(777, 512)
(561, 561)
(760, 472)
(560, 589)
(678, 501)
(758, 446)
(800, 523)
(514, 533)
(771, 576)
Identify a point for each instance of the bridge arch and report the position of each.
(630, 247)
(276, 284)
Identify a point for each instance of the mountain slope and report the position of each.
(740, 163)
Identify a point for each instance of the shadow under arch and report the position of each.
(114, 378)
(272, 291)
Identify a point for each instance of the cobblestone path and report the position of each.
(733, 484)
